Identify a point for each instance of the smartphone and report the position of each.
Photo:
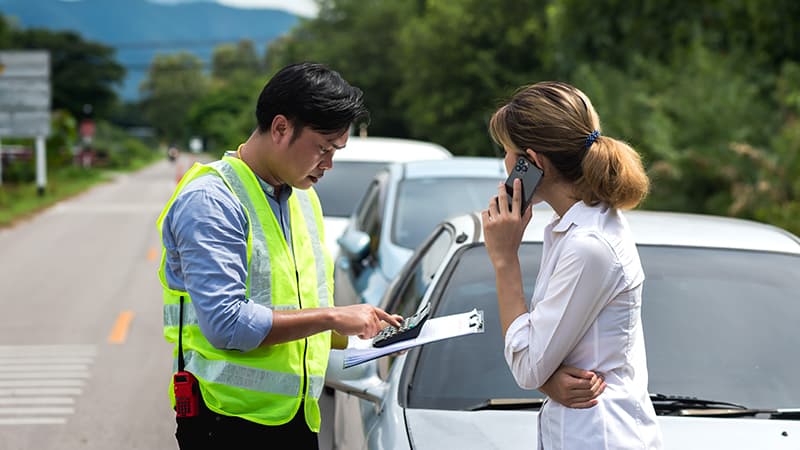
(530, 175)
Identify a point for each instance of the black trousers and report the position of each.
(210, 428)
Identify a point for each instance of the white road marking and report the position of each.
(44, 367)
(37, 401)
(39, 383)
(42, 360)
(33, 421)
(36, 411)
(47, 350)
(43, 375)
(22, 392)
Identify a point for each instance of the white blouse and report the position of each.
(585, 312)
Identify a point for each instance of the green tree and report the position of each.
(685, 126)
(235, 61)
(773, 193)
(5, 32)
(172, 85)
(225, 116)
(460, 59)
(359, 39)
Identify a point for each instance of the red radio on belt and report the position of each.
(187, 394)
(187, 390)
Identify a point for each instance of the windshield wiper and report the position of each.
(678, 405)
(785, 414)
(664, 404)
(679, 401)
(507, 403)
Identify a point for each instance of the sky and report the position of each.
(305, 8)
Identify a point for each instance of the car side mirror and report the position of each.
(354, 244)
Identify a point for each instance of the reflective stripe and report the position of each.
(316, 247)
(227, 373)
(172, 314)
(172, 310)
(260, 272)
(315, 385)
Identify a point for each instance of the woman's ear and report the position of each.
(535, 157)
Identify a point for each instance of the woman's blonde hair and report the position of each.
(558, 121)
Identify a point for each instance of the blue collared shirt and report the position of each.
(205, 235)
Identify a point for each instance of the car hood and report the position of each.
(510, 430)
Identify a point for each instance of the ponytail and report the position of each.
(612, 173)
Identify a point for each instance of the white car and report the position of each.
(402, 204)
(720, 310)
(353, 168)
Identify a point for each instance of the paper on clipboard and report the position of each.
(435, 329)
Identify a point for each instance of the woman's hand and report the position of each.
(573, 387)
(504, 225)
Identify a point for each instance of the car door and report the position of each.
(381, 427)
(356, 273)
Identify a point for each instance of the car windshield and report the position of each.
(423, 203)
(718, 324)
(341, 188)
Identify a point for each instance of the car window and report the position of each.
(465, 371)
(424, 203)
(722, 324)
(369, 215)
(341, 188)
(404, 295)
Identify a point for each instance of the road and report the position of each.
(83, 364)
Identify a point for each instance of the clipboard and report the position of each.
(360, 351)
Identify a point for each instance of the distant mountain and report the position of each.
(139, 29)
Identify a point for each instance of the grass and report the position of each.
(19, 201)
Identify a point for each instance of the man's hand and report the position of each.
(573, 387)
(364, 321)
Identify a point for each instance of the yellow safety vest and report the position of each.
(265, 385)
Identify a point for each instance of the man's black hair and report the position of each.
(312, 95)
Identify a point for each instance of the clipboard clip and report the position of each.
(476, 320)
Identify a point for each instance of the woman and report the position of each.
(585, 310)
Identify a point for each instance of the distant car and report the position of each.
(340, 189)
(720, 312)
(401, 206)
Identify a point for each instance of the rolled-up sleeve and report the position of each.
(538, 342)
(205, 236)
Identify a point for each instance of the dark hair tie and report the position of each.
(591, 138)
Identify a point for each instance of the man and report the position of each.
(247, 280)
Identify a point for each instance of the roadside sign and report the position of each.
(25, 102)
(25, 96)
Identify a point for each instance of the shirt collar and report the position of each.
(269, 189)
(579, 214)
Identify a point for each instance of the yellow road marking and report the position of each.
(120, 330)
